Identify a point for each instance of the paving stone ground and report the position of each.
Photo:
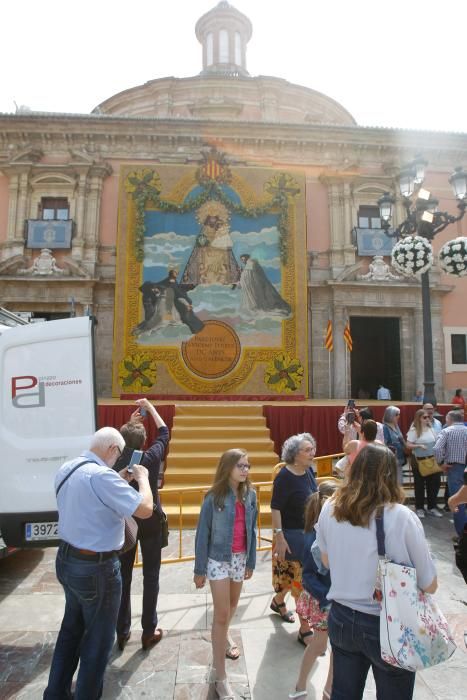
(31, 608)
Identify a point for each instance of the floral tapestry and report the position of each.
(211, 282)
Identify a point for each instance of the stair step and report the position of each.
(218, 421)
(211, 459)
(192, 445)
(219, 409)
(219, 432)
(205, 475)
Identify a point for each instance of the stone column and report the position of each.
(339, 353)
(78, 240)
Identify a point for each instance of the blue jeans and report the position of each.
(92, 598)
(455, 482)
(151, 553)
(355, 645)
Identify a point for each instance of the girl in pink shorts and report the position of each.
(225, 553)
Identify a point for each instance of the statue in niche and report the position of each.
(379, 271)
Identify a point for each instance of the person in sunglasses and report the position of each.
(422, 434)
(225, 553)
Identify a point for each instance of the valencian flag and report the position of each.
(348, 337)
(328, 341)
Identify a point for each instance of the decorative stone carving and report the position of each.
(379, 271)
(43, 265)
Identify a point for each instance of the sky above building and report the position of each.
(397, 64)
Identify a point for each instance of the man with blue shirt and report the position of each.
(450, 451)
(93, 501)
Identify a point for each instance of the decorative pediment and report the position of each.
(44, 265)
(27, 155)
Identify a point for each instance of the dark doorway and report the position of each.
(376, 356)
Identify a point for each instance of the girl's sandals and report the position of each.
(287, 616)
(223, 690)
(232, 651)
(303, 635)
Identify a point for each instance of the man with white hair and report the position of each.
(93, 501)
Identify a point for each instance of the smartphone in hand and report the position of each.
(135, 459)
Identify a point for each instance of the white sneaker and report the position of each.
(421, 513)
(434, 511)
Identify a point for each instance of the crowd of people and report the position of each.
(324, 545)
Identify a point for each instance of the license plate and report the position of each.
(41, 531)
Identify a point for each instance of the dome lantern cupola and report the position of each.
(224, 33)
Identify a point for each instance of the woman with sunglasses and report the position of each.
(225, 553)
(422, 434)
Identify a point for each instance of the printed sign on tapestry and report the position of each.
(211, 282)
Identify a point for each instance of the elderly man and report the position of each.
(93, 501)
(434, 422)
(451, 449)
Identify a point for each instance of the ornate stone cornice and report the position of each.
(335, 147)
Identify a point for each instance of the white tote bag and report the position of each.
(413, 631)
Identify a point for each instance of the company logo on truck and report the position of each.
(28, 391)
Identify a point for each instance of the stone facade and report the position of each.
(254, 121)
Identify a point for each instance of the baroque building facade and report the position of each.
(57, 168)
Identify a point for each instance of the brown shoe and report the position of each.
(150, 640)
(122, 639)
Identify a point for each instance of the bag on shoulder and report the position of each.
(164, 526)
(131, 534)
(413, 631)
(428, 466)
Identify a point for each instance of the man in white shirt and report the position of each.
(383, 394)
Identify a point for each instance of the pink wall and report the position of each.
(109, 207)
(317, 214)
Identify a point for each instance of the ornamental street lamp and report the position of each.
(413, 254)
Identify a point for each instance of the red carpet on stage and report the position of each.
(283, 420)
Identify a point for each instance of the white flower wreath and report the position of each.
(453, 256)
(412, 255)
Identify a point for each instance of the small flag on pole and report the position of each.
(348, 337)
(328, 341)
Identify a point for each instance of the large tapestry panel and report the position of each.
(211, 282)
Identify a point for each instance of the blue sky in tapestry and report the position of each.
(171, 239)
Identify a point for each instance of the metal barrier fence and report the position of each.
(323, 466)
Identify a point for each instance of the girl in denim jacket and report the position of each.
(225, 552)
(312, 604)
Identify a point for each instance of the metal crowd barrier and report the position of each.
(323, 466)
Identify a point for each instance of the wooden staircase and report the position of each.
(200, 434)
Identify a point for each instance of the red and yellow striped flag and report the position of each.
(328, 341)
(348, 336)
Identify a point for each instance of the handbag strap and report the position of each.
(379, 519)
(80, 464)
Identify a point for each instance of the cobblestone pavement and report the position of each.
(31, 608)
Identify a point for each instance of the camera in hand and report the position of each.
(135, 459)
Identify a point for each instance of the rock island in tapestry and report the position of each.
(211, 291)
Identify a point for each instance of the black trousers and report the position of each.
(432, 484)
(151, 553)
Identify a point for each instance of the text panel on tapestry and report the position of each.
(211, 281)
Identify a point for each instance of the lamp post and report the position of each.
(423, 221)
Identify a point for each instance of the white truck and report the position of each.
(48, 414)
